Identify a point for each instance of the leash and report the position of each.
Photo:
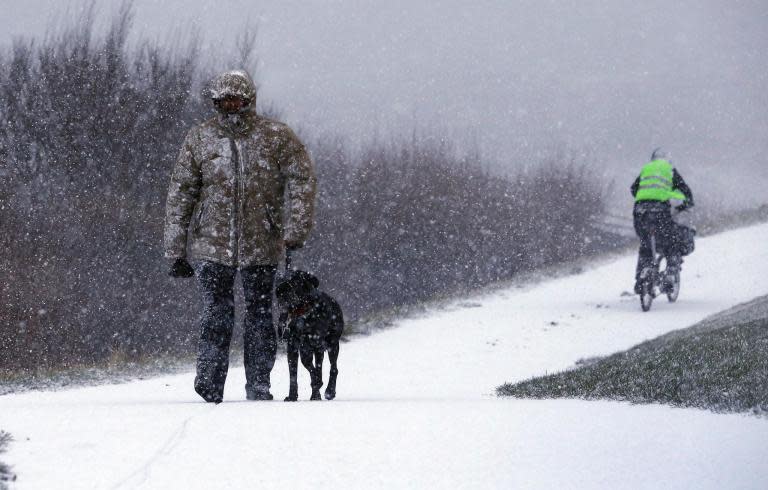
(282, 327)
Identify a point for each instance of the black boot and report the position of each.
(208, 393)
(258, 393)
(674, 264)
(671, 273)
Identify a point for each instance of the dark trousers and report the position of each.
(216, 284)
(655, 219)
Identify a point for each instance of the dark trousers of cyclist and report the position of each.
(216, 283)
(650, 216)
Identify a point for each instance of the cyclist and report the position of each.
(657, 183)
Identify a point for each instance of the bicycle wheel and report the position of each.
(675, 291)
(646, 295)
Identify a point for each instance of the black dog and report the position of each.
(311, 322)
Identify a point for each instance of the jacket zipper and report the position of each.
(237, 198)
(241, 201)
(199, 217)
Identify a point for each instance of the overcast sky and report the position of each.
(611, 79)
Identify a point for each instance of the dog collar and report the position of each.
(301, 311)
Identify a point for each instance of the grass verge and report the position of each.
(720, 364)
(5, 470)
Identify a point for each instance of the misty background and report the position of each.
(605, 81)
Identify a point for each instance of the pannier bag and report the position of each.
(685, 239)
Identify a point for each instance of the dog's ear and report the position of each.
(281, 291)
(285, 289)
(308, 280)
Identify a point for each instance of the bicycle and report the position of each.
(653, 280)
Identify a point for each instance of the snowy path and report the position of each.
(415, 407)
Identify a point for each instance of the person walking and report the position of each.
(242, 192)
(657, 183)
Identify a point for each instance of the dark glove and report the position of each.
(181, 268)
(683, 207)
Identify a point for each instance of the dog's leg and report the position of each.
(333, 356)
(308, 362)
(318, 378)
(293, 364)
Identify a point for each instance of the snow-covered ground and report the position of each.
(415, 405)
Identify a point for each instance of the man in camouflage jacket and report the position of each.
(242, 191)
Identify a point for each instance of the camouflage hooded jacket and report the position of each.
(242, 186)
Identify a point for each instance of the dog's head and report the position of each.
(296, 289)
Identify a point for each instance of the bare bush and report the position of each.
(413, 219)
(88, 133)
(89, 130)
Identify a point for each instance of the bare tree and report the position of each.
(246, 49)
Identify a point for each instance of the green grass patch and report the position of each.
(5, 470)
(720, 364)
